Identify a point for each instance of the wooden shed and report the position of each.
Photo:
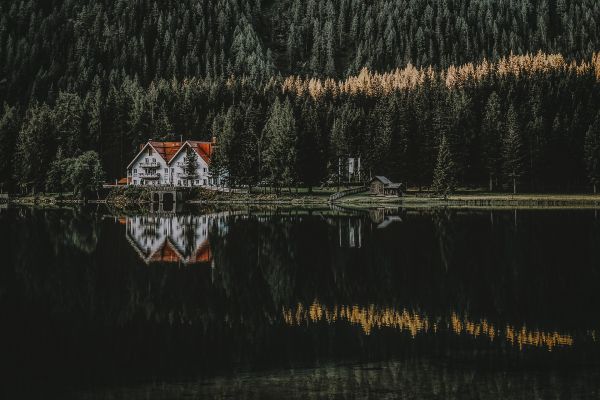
(380, 185)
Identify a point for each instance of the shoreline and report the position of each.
(364, 201)
(486, 201)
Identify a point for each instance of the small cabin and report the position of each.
(380, 185)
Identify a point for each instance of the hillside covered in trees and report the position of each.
(289, 86)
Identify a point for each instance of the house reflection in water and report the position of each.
(170, 238)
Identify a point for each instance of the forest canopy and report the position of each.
(385, 80)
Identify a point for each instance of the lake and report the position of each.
(300, 303)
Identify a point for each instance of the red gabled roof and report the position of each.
(168, 150)
(203, 149)
(124, 181)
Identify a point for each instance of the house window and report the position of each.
(179, 181)
(166, 170)
(204, 169)
(135, 170)
(153, 159)
(204, 182)
(149, 152)
(197, 181)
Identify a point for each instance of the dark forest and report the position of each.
(504, 92)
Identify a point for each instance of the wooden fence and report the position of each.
(348, 192)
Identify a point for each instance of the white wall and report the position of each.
(178, 166)
(137, 171)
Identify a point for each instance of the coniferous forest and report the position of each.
(500, 94)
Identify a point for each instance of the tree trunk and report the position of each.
(595, 189)
(514, 185)
(491, 183)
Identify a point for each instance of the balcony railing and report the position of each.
(185, 175)
(150, 175)
(149, 164)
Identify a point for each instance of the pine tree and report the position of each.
(311, 161)
(190, 164)
(444, 175)
(279, 153)
(512, 149)
(68, 122)
(9, 128)
(592, 152)
(35, 148)
(491, 133)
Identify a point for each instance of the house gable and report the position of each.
(202, 149)
(138, 155)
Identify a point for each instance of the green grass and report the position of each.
(316, 191)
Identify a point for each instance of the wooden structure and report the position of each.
(348, 192)
(167, 194)
(380, 185)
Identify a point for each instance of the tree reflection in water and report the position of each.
(88, 297)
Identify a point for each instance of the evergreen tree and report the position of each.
(9, 128)
(383, 120)
(190, 165)
(311, 160)
(68, 122)
(248, 153)
(218, 158)
(56, 180)
(86, 173)
(512, 149)
(444, 175)
(35, 148)
(592, 152)
(491, 134)
(279, 153)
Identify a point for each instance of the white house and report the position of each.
(164, 163)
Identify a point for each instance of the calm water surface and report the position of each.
(279, 303)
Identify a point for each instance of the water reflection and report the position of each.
(172, 238)
(94, 302)
(375, 317)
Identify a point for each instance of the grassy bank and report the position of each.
(263, 196)
(123, 196)
(46, 198)
(474, 200)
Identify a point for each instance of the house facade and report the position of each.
(184, 164)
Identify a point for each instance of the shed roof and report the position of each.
(382, 179)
